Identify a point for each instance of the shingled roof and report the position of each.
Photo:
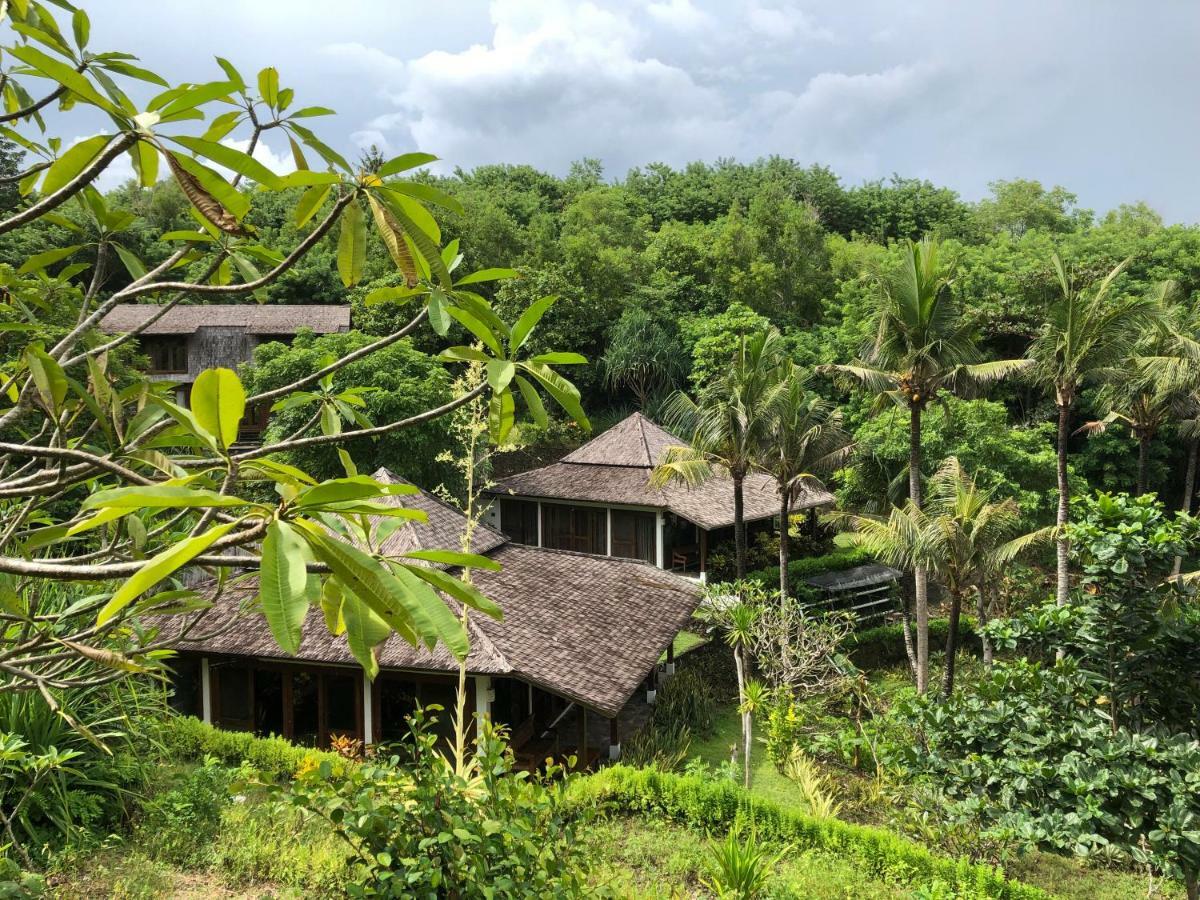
(615, 468)
(251, 317)
(584, 627)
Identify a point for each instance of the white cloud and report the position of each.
(681, 15)
(784, 23)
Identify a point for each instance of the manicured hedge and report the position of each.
(883, 646)
(837, 561)
(708, 805)
(187, 738)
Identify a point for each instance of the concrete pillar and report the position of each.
(484, 695)
(661, 555)
(669, 669)
(608, 531)
(539, 540)
(368, 711)
(206, 690)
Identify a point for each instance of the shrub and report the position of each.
(276, 759)
(687, 699)
(883, 646)
(740, 868)
(663, 747)
(178, 824)
(708, 805)
(799, 569)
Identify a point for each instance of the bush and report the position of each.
(178, 824)
(687, 699)
(275, 759)
(883, 646)
(714, 806)
(799, 569)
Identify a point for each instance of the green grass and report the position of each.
(644, 858)
(684, 642)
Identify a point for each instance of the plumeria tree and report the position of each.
(109, 486)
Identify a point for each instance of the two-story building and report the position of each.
(185, 340)
(598, 500)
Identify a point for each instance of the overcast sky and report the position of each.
(1096, 95)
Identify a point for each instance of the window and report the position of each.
(633, 535)
(519, 520)
(580, 528)
(168, 355)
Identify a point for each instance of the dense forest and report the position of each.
(661, 270)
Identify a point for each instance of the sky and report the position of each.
(1098, 96)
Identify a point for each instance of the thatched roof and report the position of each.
(585, 627)
(250, 317)
(615, 468)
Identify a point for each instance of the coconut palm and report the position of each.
(804, 440)
(1087, 333)
(726, 426)
(963, 536)
(921, 347)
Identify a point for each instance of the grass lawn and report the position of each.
(644, 858)
(685, 641)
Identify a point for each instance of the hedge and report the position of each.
(708, 805)
(883, 646)
(187, 738)
(799, 569)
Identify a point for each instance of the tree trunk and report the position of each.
(739, 526)
(920, 577)
(1189, 489)
(906, 626)
(746, 727)
(1064, 505)
(1143, 460)
(988, 651)
(1192, 885)
(785, 586)
(740, 666)
(952, 643)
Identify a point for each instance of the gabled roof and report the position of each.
(253, 318)
(615, 467)
(585, 627)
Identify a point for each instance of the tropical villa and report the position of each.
(600, 574)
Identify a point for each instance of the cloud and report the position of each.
(784, 23)
(681, 15)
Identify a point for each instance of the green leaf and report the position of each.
(564, 393)
(529, 320)
(64, 74)
(500, 373)
(459, 590)
(121, 67)
(487, 275)
(219, 403)
(222, 125)
(455, 558)
(404, 162)
(145, 162)
(328, 154)
(160, 566)
(389, 294)
(158, 496)
(466, 354)
(101, 518)
(310, 202)
(74, 161)
(428, 194)
(39, 261)
(310, 111)
(236, 160)
(530, 395)
(297, 155)
(424, 242)
(133, 265)
(439, 314)
(196, 95)
(331, 607)
(283, 583)
(82, 28)
(477, 328)
(364, 631)
(231, 72)
(559, 359)
(352, 245)
(221, 190)
(501, 415)
(268, 85)
(48, 377)
(355, 487)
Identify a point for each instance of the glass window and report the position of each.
(580, 528)
(234, 707)
(519, 520)
(305, 708)
(397, 700)
(268, 701)
(341, 704)
(633, 535)
(167, 354)
(185, 686)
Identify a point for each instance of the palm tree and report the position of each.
(921, 347)
(1086, 334)
(963, 537)
(804, 439)
(726, 426)
(738, 622)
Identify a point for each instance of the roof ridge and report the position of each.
(436, 499)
